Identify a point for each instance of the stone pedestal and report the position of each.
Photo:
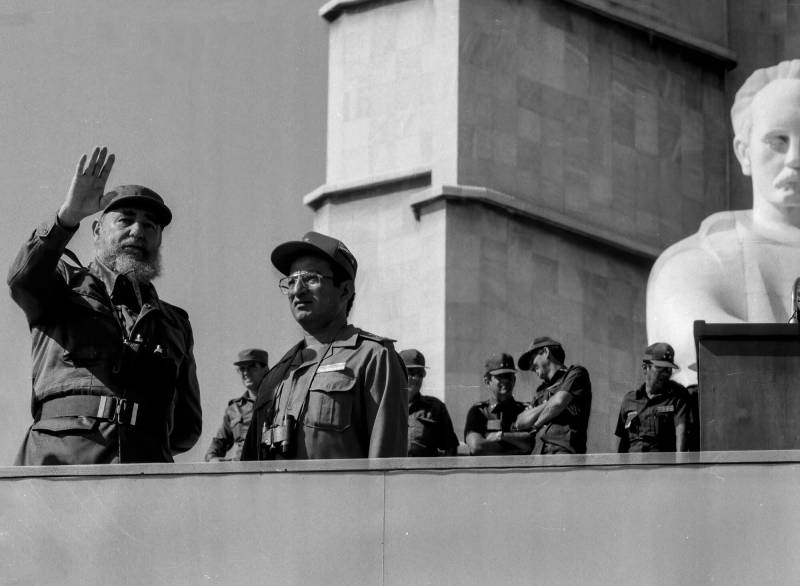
(504, 170)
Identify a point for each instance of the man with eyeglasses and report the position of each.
(488, 429)
(251, 364)
(430, 429)
(340, 392)
(561, 406)
(655, 417)
(114, 376)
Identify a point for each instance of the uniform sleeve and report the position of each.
(682, 411)
(620, 430)
(33, 277)
(187, 422)
(222, 440)
(576, 383)
(253, 438)
(476, 422)
(386, 404)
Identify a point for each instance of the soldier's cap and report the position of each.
(660, 354)
(252, 355)
(138, 196)
(315, 244)
(526, 359)
(413, 359)
(500, 364)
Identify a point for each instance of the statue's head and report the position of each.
(766, 124)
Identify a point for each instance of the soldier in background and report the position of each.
(252, 364)
(488, 429)
(430, 430)
(561, 404)
(655, 417)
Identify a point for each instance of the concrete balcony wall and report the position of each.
(725, 518)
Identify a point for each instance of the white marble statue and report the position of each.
(740, 266)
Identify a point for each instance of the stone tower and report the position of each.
(505, 169)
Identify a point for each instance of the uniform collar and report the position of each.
(346, 338)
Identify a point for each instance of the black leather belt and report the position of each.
(118, 410)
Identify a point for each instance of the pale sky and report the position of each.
(220, 106)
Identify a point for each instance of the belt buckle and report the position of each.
(126, 407)
(122, 411)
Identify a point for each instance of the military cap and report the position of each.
(660, 354)
(252, 355)
(500, 364)
(137, 196)
(413, 358)
(525, 360)
(315, 244)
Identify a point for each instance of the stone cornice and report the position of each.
(530, 210)
(377, 184)
(331, 10)
(420, 178)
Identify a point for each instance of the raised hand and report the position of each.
(85, 194)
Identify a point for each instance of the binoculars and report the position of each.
(280, 438)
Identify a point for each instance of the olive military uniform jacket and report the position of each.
(487, 417)
(112, 381)
(356, 405)
(233, 430)
(647, 424)
(430, 429)
(567, 432)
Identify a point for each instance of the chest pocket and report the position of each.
(330, 401)
(660, 421)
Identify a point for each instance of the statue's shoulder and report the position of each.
(717, 234)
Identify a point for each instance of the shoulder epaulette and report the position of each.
(374, 337)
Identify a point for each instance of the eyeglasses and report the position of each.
(651, 366)
(304, 278)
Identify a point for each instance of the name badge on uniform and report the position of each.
(666, 409)
(335, 367)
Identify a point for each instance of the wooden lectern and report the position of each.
(748, 386)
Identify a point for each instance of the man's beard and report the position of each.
(122, 262)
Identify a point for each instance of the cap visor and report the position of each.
(663, 364)
(502, 371)
(161, 211)
(285, 254)
(524, 361)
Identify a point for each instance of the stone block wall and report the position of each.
(392, 101)
(590, 118)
